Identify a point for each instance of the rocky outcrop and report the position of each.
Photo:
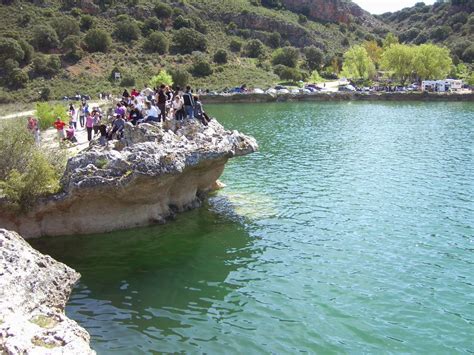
(339, 11)
(146, 178)
(34, 289)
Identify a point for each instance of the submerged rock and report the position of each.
(151, 175)
(34, 289)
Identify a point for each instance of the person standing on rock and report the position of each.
(161, 100)
(188, 103)
(89, 126)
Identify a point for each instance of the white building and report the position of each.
(441, 85)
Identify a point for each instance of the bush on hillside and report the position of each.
(468, 54)
(163, 10)
(163, 78)
(72, 48)
(187, 40)
(27, 50)
(181, 77)
(287, 56)
(65, 26)
(17, 78)
(235, 45)
(221, 56)
(182, 22)
(10, 49)
(201, 68)
(314, 57)
(274, 40)
(46, 65)
(97, 40)
(47, 114)
(287, 73)
(440, 33)
(156, 42)
(254, 48)
(127, 31)
(45, 37)
(151, 24)
(86, 22)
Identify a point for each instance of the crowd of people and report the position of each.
(149, 105)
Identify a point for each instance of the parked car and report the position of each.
(347, 88)
(258, 91)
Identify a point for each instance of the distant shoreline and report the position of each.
(336, 96)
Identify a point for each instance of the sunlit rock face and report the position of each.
(151, 174)
(34, 289)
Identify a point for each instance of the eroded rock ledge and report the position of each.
(34, 289)
(151, 174)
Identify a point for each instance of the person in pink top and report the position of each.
(89, 126)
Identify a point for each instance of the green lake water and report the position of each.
(351, 231)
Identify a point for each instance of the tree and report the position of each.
(468, 54)
(287, 73)
(46, 65)
(398, 59)
(45, 37)
(220, 57)
(357, 64)
(235, 45)
(390, 39)
(201, 68)
(72, 47)
(287, 56)
(10, 49)
(151, 24)
(28, 51)
(163, 10)
(187, 40)
(181, 77)
(17, 78)
(315, 77)
(182, 22)
(432, 62)
(86, 22)
(274, 40)
(374, 51)
(314, 57)
(127, 30)
(440, 33)
(65, 26)
(254, 48)
(156, 42)
(97, 40)
(162, 78)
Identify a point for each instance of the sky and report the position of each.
(381, 6)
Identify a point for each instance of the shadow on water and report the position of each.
(154, 286)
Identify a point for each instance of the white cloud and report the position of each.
(381, 6)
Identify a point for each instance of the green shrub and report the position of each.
(97, 40)
(151, 24)
(314, 57)
(163, 10)
(46, 65)
(468, 54)
(181, 77)
(127, 31)
(187, 40)
(86, 22)
(235, 45)
(182, 22)
(39, 178)
(287, 56)
(72, 48)
(127, 81)
(65, 26)
(10, 49)
(287, 73)
(201, 68)
(162, 78)
(221, 56)
(16, 143)
(274, 40)
(47, 114)
(17, 78)
(27, 50)
(156, 42)
(45, 37)
(254, 48)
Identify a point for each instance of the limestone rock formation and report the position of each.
(34, 289)
(147, 177)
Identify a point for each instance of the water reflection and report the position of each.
(155, 286)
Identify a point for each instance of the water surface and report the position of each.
(350, 231)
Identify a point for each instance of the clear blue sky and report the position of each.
(381, 6)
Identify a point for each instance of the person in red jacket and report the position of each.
(59, 125)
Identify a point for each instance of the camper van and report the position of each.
(441, 85)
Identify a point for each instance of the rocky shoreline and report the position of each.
(34, 290)
(147, 177)
(336, 96)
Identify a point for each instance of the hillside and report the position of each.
(49, 51)
(449, 23)
(55, 48)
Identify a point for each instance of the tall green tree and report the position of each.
(432, 62)
(357, 64)
(398, 59)
(390, 39)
